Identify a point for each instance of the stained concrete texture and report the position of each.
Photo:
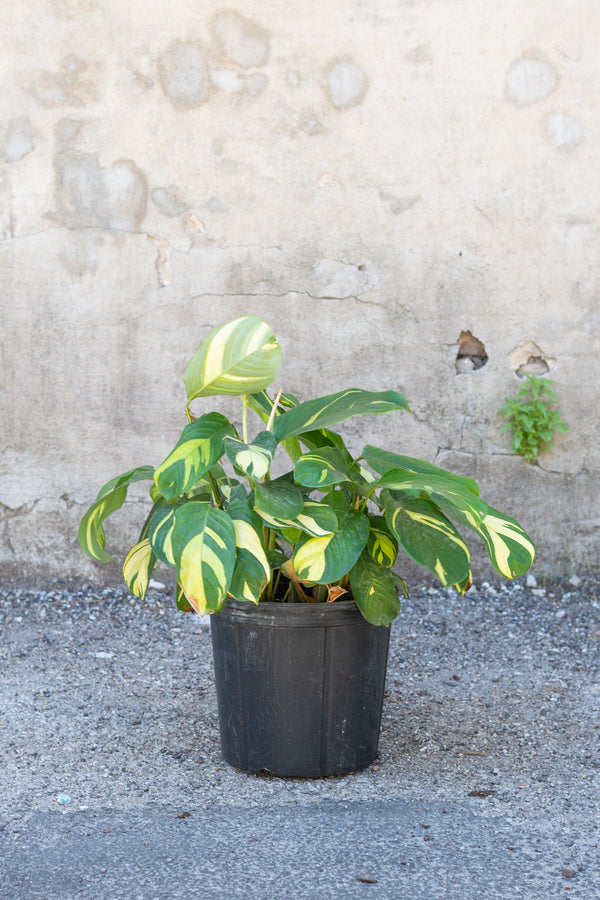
(374, 179)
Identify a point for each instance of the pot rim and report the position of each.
(299, 615)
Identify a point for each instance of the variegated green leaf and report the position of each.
(323, 560)
(334, 408)
(198, 449)
(382, 461)
(138, 567)
(279, 498)
(252, 569)
(111, 497)
(382, 546)
(509, 547)
(374, 591)
(428, 537)
(181, 601)
(254, 459)
(239, 357)
(262, 405)
(316, 519)
(160, 534)
(323, 468)
(203, 543)
(444, 492)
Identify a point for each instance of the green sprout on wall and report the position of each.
(533, 418)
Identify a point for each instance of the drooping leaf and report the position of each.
(428, 537)
(334, 408)
(279, 498)
(203, 543)
(111, 497)
(509, 547)
(197, 450)
(445, 492)
(138, 567)
(382, 461)
(324, 560)
(254, 459)
(181, 601)
(160, 534)
(374, 591)
(382, 546)
(252, 569)
(239, 357)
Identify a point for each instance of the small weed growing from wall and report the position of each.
(533, 418)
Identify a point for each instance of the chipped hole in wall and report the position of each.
(528, 359)
(471, 354)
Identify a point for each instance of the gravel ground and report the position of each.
(487, 783)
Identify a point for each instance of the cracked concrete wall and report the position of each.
(380, 180)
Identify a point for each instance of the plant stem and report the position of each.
(273, 411)
(245, 418)
(218, 499)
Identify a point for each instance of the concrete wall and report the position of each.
(373, 177)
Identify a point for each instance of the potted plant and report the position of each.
(298, 567)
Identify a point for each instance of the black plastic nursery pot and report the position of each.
(299, 687)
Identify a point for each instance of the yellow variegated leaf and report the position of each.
(509, 547)
(428, 537)
(309, 558)
(198, 449)
(239, 357)
(382, 545)
(138, 568)
(111, 497)
(203, 544)
(326, 559)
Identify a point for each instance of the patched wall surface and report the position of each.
(406, 190)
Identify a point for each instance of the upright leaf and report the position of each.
(197, 450)
(382, 546)
(91, 535)
(239, 357)
(203, 543)
(138, 568)
(334, 408)
(374, 591)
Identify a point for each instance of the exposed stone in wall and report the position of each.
(528, 359)
(471, 354)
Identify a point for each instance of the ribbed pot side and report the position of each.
(299, 687)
